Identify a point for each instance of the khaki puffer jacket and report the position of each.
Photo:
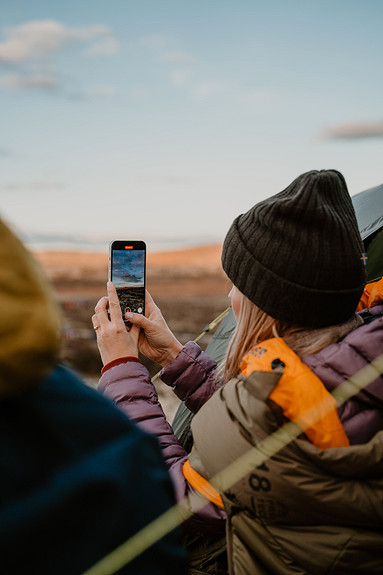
(305, 510)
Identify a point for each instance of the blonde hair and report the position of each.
(255, 326)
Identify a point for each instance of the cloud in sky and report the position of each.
(354, 131)
(34, 41)
(183, 69)
(28, 50)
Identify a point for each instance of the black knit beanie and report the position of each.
(297, 255)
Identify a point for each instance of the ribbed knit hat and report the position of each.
(297, 255)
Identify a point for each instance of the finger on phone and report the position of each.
(114, 304)
(148, 297)
(101, 310)
(102, 304)
(149, 303)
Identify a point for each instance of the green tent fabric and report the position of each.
(216, 350)
(368, 207)
(375, 256)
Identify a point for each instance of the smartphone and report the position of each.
(127, 270)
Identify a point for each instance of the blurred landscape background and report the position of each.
(188, 285)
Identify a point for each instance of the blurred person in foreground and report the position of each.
(296, 261)
(77, 477)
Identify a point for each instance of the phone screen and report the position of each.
(127, 267)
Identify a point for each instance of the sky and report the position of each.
(128, 268)
(162, 120)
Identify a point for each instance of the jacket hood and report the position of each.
(30, 318)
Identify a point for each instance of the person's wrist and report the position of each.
(108, 358)
(172, 353)
(118, 361)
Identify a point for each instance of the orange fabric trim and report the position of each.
(201, 484)
(372, 295)
(298, 391)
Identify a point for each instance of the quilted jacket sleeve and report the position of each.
(130, 388)
(192, 376)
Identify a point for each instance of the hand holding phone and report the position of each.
(114, 342)
(127, 270)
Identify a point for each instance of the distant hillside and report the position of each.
(74, 264)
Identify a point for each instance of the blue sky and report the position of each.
(159, 119)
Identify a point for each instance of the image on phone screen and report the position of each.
(127, 272)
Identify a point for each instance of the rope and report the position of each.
(213, 324)
(255, 457)
(209, 327)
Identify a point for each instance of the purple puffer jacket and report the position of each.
(129, 386)
(192, 377)
(362, 415)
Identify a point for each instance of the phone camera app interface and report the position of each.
(128, 275)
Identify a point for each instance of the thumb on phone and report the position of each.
(157, 342)
(136, 318)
